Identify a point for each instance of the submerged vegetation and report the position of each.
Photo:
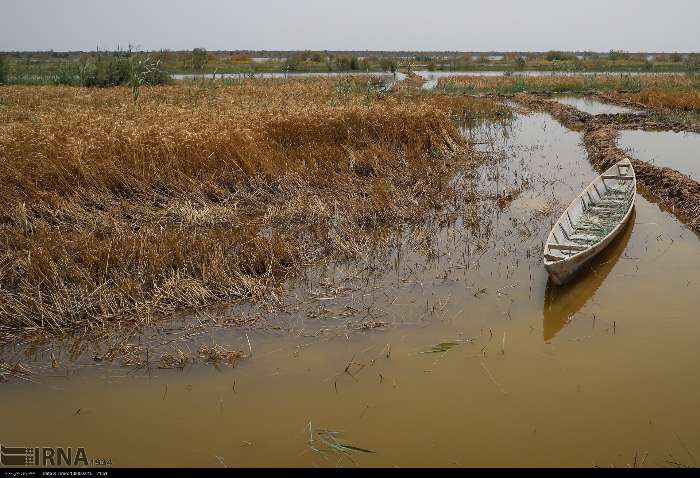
(204, 192)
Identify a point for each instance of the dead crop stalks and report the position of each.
(204, 194)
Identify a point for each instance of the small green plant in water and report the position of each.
(329, 439)
(443, 347)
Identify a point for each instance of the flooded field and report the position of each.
(592, 106)
(679, 151)
(452, 349)
(430, 76)
(275, 74)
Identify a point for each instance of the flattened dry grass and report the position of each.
(201, 193)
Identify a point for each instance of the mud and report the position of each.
(647, 120)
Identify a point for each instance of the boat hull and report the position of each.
(589, 225)
(563, 271)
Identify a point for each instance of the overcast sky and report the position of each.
(465, 25)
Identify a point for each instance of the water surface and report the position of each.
(593, 106)
(276, 74)
(679, 151)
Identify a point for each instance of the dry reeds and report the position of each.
(567, 83)
(200, 193)
(675, 100)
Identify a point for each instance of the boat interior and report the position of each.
(594, 214)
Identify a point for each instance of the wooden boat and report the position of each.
(591, 222)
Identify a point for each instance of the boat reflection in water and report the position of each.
(561, 303)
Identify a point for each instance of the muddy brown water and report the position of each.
(679, 151)
(481, 363)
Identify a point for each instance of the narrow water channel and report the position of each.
(480, 361)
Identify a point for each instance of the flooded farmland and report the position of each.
(450, 349)
(679, 151)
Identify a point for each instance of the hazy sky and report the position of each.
(467, 25)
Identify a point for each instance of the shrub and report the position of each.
(199, 58)
(557, 56)
(3, 69)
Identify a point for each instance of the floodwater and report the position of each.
(276, 74)
(398, 76)
(432, 75)
(480, 362)
(593, 106)
(679, 151)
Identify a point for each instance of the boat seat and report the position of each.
(584, 237)
(552, 258)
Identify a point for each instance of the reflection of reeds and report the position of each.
(204, 193)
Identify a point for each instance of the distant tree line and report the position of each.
(110, 68)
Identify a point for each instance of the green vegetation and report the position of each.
(93, 70)
(142, 71)
(3, 70)
(558, 56)
(199, 59)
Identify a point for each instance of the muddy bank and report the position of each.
(650, 119)
(673, 189)
(568, 115)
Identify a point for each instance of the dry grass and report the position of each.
(202, 193)
(573, 83)
(675, 100)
